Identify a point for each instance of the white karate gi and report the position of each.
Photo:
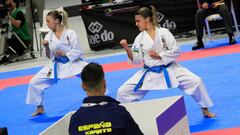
(69, 43)
(166, 46)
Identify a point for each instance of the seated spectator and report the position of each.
(18, 43)
(100, 113)
(208, 7)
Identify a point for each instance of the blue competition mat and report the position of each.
(220, 74)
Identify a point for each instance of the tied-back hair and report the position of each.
(92, 75)
(149, 11)
(62, 16)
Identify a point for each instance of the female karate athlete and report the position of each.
(157, 49)
(63, 48)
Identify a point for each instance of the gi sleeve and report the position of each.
(136, 51)
(171, 49)
(75, 53)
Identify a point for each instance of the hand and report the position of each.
(59, 53)
(44, 42)
(154, 54)
(124, 43)
(205, 5)
(216, 4)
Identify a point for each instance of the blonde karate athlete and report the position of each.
(63, 48)
(158, 50)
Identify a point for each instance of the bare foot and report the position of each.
(39, 111)
(207, 113)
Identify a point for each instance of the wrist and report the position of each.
(126, 48)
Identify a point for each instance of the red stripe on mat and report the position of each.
(228, 131)
(125, 65)
(14, 81)
(210, 52)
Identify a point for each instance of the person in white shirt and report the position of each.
(62, 46)
(157, 49)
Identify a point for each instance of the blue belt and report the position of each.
(64, 60)
(156, 69)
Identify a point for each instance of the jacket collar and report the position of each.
(98, 99)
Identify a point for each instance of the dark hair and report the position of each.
(148, 11)
(17, 2)
(92, 75)
(62, 16)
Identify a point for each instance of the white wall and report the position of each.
(78, 26)
(59, 3)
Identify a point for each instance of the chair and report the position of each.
(44, 29)
(215, 17)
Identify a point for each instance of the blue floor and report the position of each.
(220, 74)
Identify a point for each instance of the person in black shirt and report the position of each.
(100, 114)
(208, 7)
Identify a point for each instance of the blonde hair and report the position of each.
(149, 11)
(62, 16)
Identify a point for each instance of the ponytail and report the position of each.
(154, 17)
(62, 16)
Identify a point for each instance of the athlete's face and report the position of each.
(141, 22)
(51, 22)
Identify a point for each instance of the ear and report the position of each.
(84, 87)
(105, 86)
(56, 21)
(104, 83)
(147, 19)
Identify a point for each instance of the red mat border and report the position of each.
(11, 82)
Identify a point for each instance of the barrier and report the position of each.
(165, 116)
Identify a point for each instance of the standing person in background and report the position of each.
(19, 26)
(62, 46)
(208, 7)
(100, 113)
(157, 49)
